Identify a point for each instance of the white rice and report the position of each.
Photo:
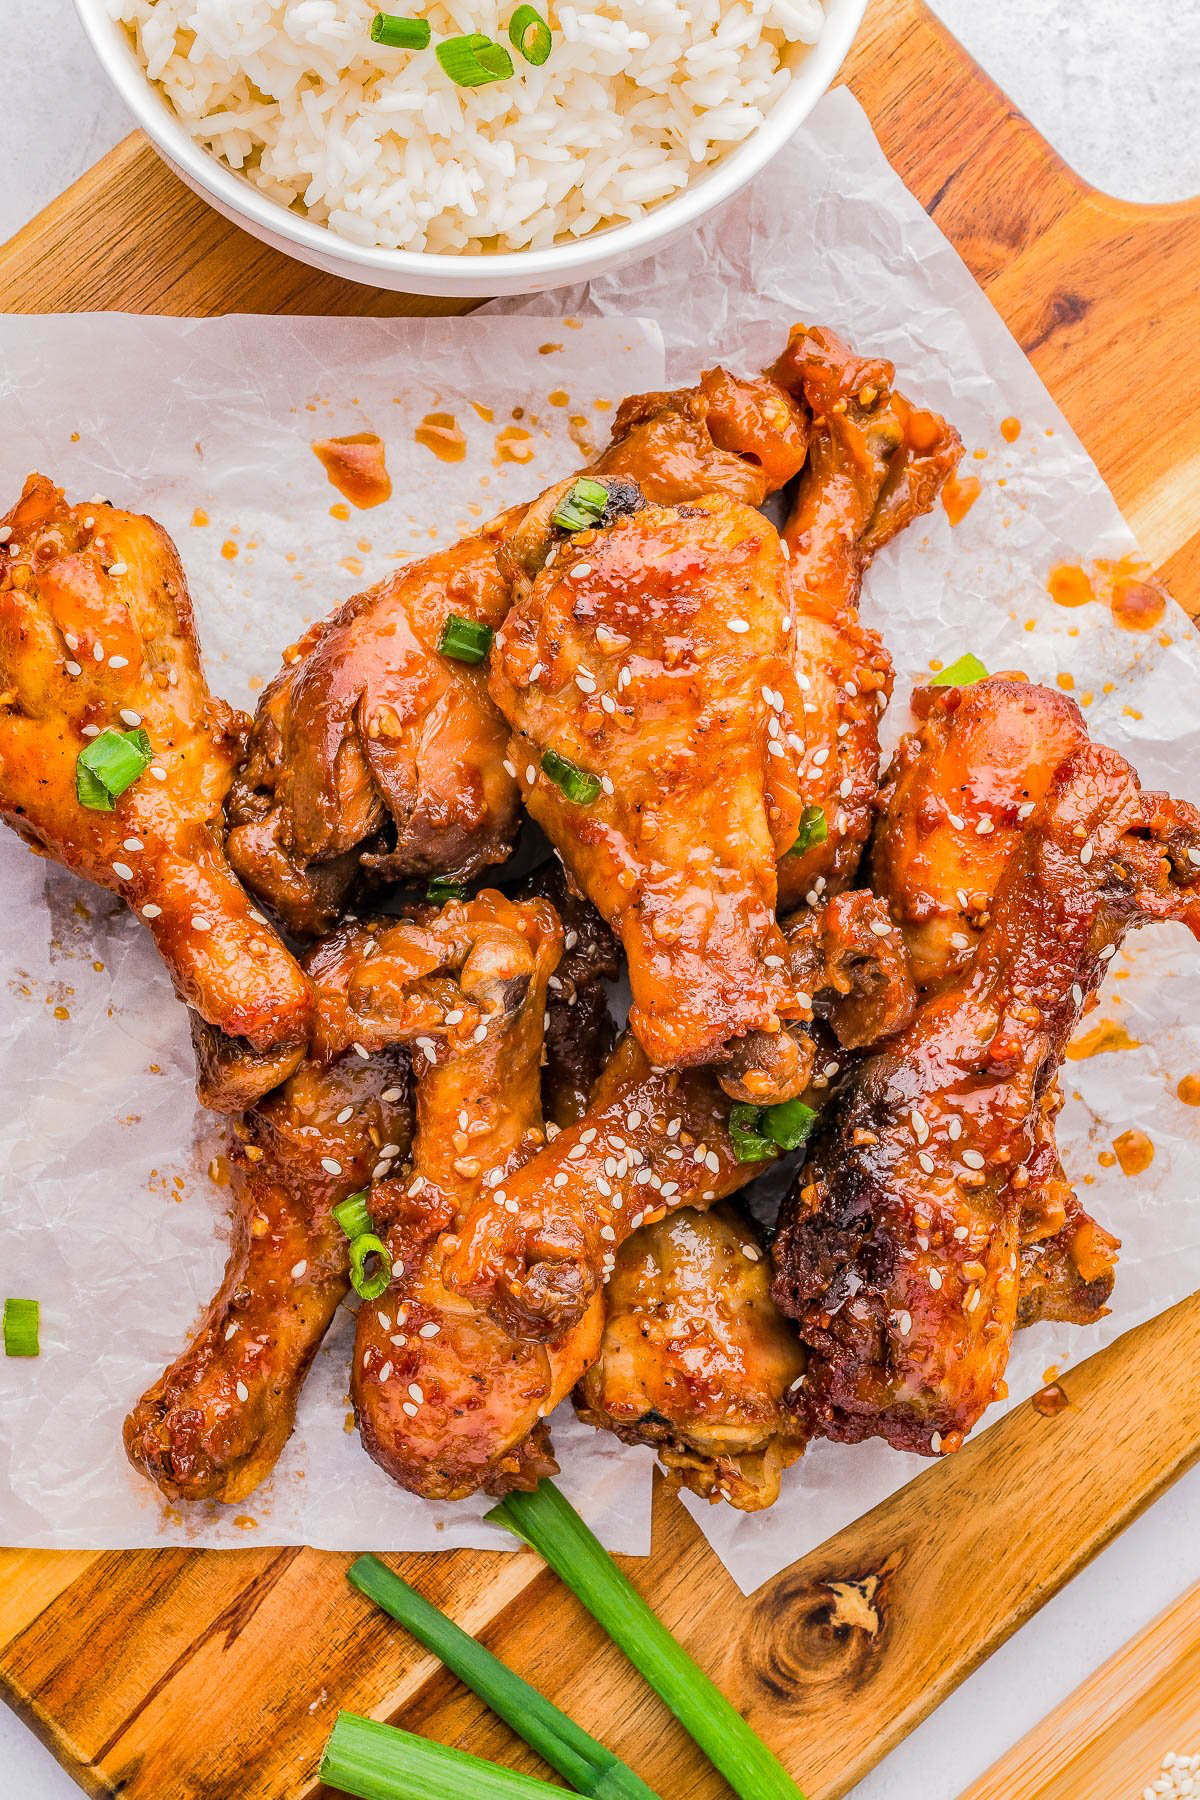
(635, 99)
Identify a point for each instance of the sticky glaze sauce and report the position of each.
(1100, 1040)
(357, 467)
(959, 496)
(1127, 587)
(514, 444)
(441, 433)
(1134, 1151)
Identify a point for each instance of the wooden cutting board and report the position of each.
(182, 1675)
(1107, 1740)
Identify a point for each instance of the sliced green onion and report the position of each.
(439, 891)
(746, 1134)
(108, 765)
(575, 782)
(760, 1132)
(814, 829)
(381, 1762)
(464, 640)
(362, 1246)
(400, 34)
(353, 1217)
(963, 673)
(473, 61)
(579, 1759)
(583, 506)
(548, 1522)
(534, 48)
(21, 1327)
(789, 1124)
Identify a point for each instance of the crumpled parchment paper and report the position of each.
(122, 1258)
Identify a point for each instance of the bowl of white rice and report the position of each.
(469, 147)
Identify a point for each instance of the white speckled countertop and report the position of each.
(1112, 85)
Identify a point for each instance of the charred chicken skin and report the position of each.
(697, 1360)
(447, 1401)
(900, 1249)
(96, 632)
(213, 1425)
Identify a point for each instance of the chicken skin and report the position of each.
(875, 464)
(697, 1360)
(641, 662)
(97, 637)
(899, 1251)
(955, 802)
(447, 1402)
(375, 752)
(213, 1425)
(580, 1029)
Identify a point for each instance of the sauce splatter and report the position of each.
(339, 510)
(485, 412)
(1128, 588)
(1050, 1400)
(1010, 430)
(1100, 1040)
(199, 517)
(959, 496)
(559, 397)
(1189, 1090)
(440, 432)
(357, 467)
(229, 549)
(514, 444)
(1134, 1152)
(548, 349)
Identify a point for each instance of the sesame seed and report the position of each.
(712, 1162)
(606, 785)
(775, 748)
(512, 1206)
(410, 1409)
(331, 1165)
(920, 1128)
(509, 770)
(73, 668)
(132, 843)
(958, 824)
(479, 1033)
(98, 652)
(5, 533)
(750, 1253)
(1193, 855)
(392, 1094)
(925, 1161)
(984, 827)
(904, 1323)
(346, 1114)
(960, 940)
(935, 1279)
(881, 927)
(973, 1159)
(361, 1050)
(846, 788)
(118, 568)
(381, 1169)
(1077, 993)
(581, 571)
(585, 684)
(123, 870)
(429, 1331)
(961, 1233)
(820, 757)
(200, 923)
(118, 662)
(530, 774)
(158, 772)
(298, 1269)
(131, 718)
(935, 1443)
(415, 1185)
(385, 1320)
(243, 1392)
(230, 1331)
(737, 626)
(397, 1269)
(385, 1374)
(954, 1130)
(1085, 855)
(1024, 811)
(608, 1234)
(415, 1392)
(150, 911)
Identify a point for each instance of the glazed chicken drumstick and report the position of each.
(900, 1252)
(374, 750)
(97, 644)
(214, 1423)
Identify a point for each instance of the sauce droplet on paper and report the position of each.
(1127, 587)
(357, 467)
(959, 496)
(1102, 1038)
(1010, 430)
(1050, 1400)
(1135, 1152)
(441, 433)
(1189, 1090)
(514, 444)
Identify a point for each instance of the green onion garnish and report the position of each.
(400, 34)
(366, 1244)
(108, 765)
(579, 1759)
(529, 33)
(814, 829)
(21, 1327)
(963, 673)
(750, 1142)
(758, 1133)
(439, 891)
(473, 61)
(464, 640)
(352, 1215)
(381, 1762)
(575, 782)
(583, 505)
(547, 1522)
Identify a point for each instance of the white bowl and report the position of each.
(475, 276)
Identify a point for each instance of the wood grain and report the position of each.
(1107, 1739)
(176, 1675)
